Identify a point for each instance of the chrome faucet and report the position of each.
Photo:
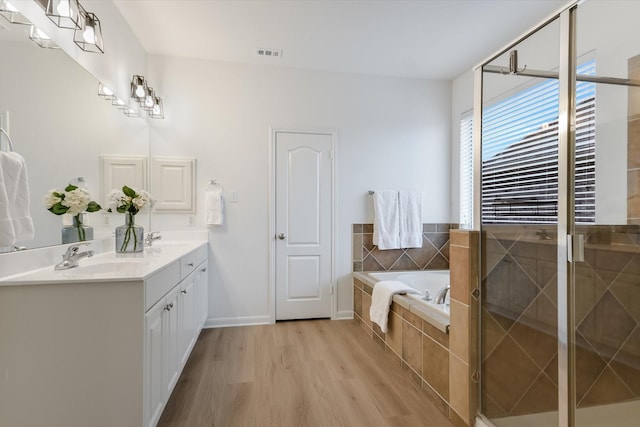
(442, 295)
(151, 237)
(72, 256)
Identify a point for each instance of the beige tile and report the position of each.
(456, 420)
(366, 305)
(435, 366)
(357, 302)
(357, 283)
(412, 347)
(357, 247)
(367, 228)
(459, 391)
(459, 331)
(412, 318)
(435, 333)
(608, 388)
(459, 238)
(378, 331)
(542, 396)
(393, 337)
(459, 267)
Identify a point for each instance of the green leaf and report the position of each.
(58, 209)
(121, 209)
(93, 207)
(129, 192)
(70, 188)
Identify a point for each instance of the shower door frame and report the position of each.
(566, 223)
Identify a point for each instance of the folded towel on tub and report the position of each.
(383, 292)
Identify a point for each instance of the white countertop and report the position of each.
(108, 266)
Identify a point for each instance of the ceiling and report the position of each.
(432, 39)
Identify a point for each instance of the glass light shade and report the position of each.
(130, 112)
(105, 92)
(64, 13)
(9, 12)
(41, 39)
(149, 99)
(157, 111)
(89, 36)
(119, 103)
(138, 88)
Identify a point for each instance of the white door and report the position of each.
(304, 206)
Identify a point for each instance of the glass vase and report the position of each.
(77, 232)
(129, 237)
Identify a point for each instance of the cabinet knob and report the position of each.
(168, 307)
(184, 291)
(204, 269)
(190, 264)
(281, 236)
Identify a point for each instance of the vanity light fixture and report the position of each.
(89, 36)
(105, 92)
(12, 14)
(119, 103)
(41, 39)
(138, 88)
(149, 100)
(64, 13)
(157, 111)
(130, 112)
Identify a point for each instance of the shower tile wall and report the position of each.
(434, 254)
(519, 315)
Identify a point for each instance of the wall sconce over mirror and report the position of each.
(64, 13)
(146, 96)
(88, 36)
(105, 92)
(138, 88)
(12, 14)
(157, 111)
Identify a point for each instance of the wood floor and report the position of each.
(295, 374)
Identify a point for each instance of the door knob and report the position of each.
(281, 236)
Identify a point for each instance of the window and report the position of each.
(520, 155)
(466, 170)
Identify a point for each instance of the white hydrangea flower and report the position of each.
(76, 200)
(51, 199)
(142, 200)
(116, 198)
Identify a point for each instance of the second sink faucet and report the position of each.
(151, 237)
(72, 256)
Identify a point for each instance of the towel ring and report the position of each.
(4, 132)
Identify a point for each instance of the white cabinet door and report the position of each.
(202, 296)
(153, 364)
(171, 341)
(187, 316)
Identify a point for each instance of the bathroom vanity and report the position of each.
(102, 344)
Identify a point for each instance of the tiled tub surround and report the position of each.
(434, 254)
(421, 349)
(442, 365)
(519, 317)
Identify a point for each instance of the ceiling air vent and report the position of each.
(273, 53)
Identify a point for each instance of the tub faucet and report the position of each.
(151, 237)
(72, 256)
(442, 295)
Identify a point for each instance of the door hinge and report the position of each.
(575, 247)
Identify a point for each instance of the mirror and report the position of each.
(61, 127)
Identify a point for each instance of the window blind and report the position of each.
(466, 169)
(520, 155)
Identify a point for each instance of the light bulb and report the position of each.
(89, 35)
(140, 91)
(156, 109)
(63, 8)
(148, 102)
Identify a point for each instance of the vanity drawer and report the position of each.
(192, 260)
(157, 286)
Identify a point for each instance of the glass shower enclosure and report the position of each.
(558, 182)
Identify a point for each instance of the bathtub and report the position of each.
(425, 280)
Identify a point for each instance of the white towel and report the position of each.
(386, 231)
(15, 218)
(410, 219)
(213, 205)
(383, 292)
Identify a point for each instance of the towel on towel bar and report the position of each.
(15, 218)
(383, 292)
(410, 210)
(213, 205)
(386, 231)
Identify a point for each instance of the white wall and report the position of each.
(392, 133)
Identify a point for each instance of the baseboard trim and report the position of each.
(344, 315)
(224, 322)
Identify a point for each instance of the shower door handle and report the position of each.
(281, 236)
